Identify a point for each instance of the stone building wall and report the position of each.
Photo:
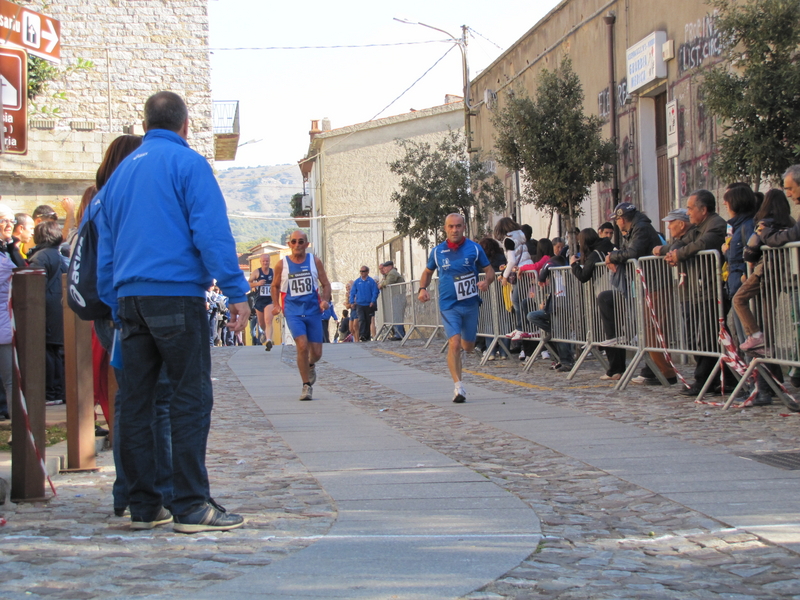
(138, 48)
(352, 187)
(576, 28)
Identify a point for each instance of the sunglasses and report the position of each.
(299, 242)
(365, 271)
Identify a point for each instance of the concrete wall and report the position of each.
(576, 28)
(138, 48)
(352, 187)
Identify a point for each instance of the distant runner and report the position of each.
(298, 278)
(458, 261)
(261, 281)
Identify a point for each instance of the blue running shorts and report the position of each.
(262, 302)
(311, 327)
(461, 320)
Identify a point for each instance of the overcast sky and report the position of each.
(280, 91)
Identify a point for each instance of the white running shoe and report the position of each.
(459, 395)
(307, 390)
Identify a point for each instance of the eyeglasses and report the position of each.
(7, 222)
(365, 271)
(298, 242)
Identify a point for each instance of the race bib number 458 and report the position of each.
(300, 284)
(466, 286)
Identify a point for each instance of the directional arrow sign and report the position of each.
(39, 34)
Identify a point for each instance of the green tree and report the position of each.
(436, 180)
(557, 149)
(755, 91)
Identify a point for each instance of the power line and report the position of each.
(330, 47)
(471, 30)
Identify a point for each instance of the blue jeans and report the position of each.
(170, 333)
(105, 334)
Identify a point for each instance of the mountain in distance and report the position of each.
(264, 191)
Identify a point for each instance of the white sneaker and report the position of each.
(515, 335)
(522, 354)
(545, 354)
(459, 395)
(639, 379)
(307, 390)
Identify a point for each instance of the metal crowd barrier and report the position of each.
(779, 313)
(686, 301)
(425, 315)
(396, 309)
(570, 321)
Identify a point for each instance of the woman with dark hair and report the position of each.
(593, 250)
(741, 203)
(545, 252)
(774, 210)
(116, 152)
(494, 252)
(119, 149)
(47, 237)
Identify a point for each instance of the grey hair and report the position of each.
(558, 240)
(793, 172)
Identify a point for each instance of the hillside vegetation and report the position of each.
(259, 192)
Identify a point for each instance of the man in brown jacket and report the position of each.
(700, 307)
(396, 299)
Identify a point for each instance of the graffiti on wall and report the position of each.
(604, 99)
(701, 41)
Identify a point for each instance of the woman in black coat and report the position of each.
(593, 251)
(47, 237)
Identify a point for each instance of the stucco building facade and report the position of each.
(670, 46)
(350, 187)
(137, 48)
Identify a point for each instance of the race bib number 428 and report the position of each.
(300, 284)
(466, 286)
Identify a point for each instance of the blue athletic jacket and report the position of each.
(163, 226)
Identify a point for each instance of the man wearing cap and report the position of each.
(397, 296)
(707, 233)
(638, 239)
(678, 224)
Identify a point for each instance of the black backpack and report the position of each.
(82, 296)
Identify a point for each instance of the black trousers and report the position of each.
(365, 312)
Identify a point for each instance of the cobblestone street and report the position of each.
(603, 537)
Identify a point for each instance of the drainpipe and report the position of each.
(610, 19)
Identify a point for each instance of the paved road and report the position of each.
(382, 488)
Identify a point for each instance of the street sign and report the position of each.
(672, 129)
(39, 34)
(14, 82)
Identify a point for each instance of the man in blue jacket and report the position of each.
(164, 197)
(364, 294)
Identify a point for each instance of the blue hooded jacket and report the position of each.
(163, 226)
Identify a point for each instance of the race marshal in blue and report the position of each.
(458, 261)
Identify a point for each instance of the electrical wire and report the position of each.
(331, 47)
(471, 30)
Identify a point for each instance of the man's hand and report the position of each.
(672, 258)
(240, 314)
(324, 305)
(423, 296)
(68, 204)
(573, 259)
(657, 250)
(276, 309)
(483, 285)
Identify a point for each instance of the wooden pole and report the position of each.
(79, 387)
(27, 475)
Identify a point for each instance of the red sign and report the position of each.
(23, 28)
(14, 90)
